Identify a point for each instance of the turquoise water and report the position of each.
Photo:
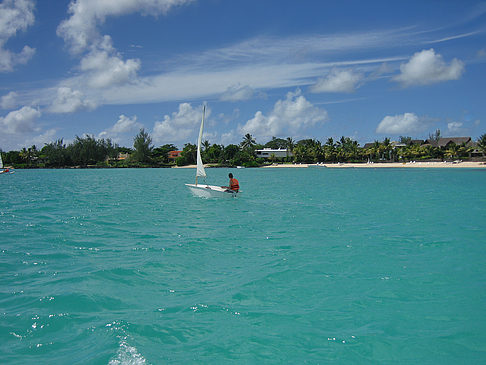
(305, 266)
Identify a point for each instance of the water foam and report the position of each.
(127, 355)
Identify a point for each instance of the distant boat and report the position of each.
(6, 170)
(204, 190)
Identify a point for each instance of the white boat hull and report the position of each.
(210, 191)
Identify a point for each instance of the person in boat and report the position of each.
(233, 184)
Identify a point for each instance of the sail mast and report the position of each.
(200, 167)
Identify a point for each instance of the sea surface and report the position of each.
(305, 266)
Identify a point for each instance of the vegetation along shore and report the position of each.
(88, 151)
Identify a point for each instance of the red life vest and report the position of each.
(234, 185)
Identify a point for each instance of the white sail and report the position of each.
(1, 161)
(200, 167)
(204, 190)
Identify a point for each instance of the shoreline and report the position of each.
(375, 165)
(465, 164)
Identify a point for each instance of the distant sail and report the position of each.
(200, 167)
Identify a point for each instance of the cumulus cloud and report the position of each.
(15, 15)
(180, 125)
(290, 116)
(407, 123)
(69, 101)
(123, 126)
(42, 139)
(427, 67)
(338, 81)
(103, 64)
(20, 121)
(454, 127)
(237, 92)
(9, 101)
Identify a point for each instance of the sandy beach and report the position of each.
(465, 164)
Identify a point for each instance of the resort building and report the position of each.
(273, 153)
(122, 156)
(446, 142)
(172, 155)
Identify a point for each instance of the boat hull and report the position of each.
(210, 191)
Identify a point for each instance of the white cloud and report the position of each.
(103, 65)
(274, 50)
(288, 116)
(338, 81)
(228, 138)
(407, 123)
(20, 121)
(237, 92)
(15, 15)
(454, 127)
(86, 15)
(69, 101)
(9, 101)
(427, 67)
(40, 140)
(180, 125)
(123, 126)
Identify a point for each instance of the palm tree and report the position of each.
(290, 146)
(387, 148)
(452, 150)
(482, 143)
(206, 145)
(248, 141)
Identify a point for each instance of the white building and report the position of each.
(269, 152)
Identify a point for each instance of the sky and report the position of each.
(272, 68)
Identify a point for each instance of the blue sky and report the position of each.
(301, 69)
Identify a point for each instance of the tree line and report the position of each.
(88, 151)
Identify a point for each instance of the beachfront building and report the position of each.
(448, 141)
(172, 155)
(269, 153)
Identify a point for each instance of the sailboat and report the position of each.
(204, 190)
(2, 171)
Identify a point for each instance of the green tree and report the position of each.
(12, 157)
(308, 151)
(330, 150)
(214, 153)
(434, 137)
(387, 149)
(142, 143)
(231, 154)
(161, 154)
(206, 145)
(248, 141)
(188, 155)
(29, 155)
(276, 143)
(405, 140)
(56, 154)
(289, 145)
(90, 151)
(452, 151)
(482, 143)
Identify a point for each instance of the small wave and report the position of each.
(127, 355)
